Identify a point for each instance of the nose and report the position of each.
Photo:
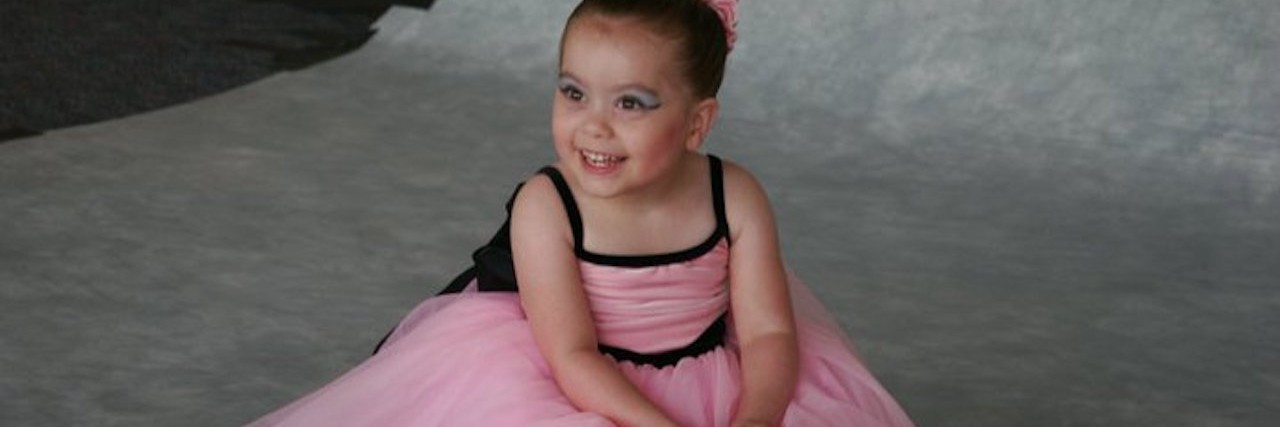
(596, 123)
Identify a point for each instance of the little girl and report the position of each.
(647, 289)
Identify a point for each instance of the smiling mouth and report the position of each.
(600, 160)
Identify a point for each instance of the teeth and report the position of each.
(599, 159)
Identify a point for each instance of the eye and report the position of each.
(637, 103)
(571, 92)
(629, 103)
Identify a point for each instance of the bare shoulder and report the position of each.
(537, 192)
(739, 180)
(746, 203)
(537, 210)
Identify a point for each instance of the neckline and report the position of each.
(721, 231)
(653, 260)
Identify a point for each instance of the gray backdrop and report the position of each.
(1024, 213)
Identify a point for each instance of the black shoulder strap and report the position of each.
(717, 194)
(570, 206)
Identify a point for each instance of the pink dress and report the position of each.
(469, 358)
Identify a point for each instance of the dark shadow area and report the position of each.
(11, 133)
(72, 62)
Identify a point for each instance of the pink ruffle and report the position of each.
(728, 11)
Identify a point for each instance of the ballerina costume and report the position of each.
(467, 357)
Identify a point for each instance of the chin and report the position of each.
(600, 187)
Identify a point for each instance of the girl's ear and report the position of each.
(704, 115)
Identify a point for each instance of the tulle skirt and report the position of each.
(469, 359)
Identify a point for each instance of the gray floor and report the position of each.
(1062, 213)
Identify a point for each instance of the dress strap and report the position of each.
(575, 215)
(570, 206)
(717, 196)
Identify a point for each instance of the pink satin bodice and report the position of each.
(657, 308)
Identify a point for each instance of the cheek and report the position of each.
(652, 138)
(677, 133)
(561, 126)
(673, 132)
(562, 135)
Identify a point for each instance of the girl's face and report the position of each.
(624, 117)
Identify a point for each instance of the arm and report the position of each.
(553, 299)
(760, 302)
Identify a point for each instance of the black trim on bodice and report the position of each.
(710, 339)
(494, 269)
(575, 222)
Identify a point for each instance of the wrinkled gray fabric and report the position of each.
(1024, 213)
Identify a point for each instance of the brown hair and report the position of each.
(693, 24)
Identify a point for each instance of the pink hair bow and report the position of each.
(728, 11)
